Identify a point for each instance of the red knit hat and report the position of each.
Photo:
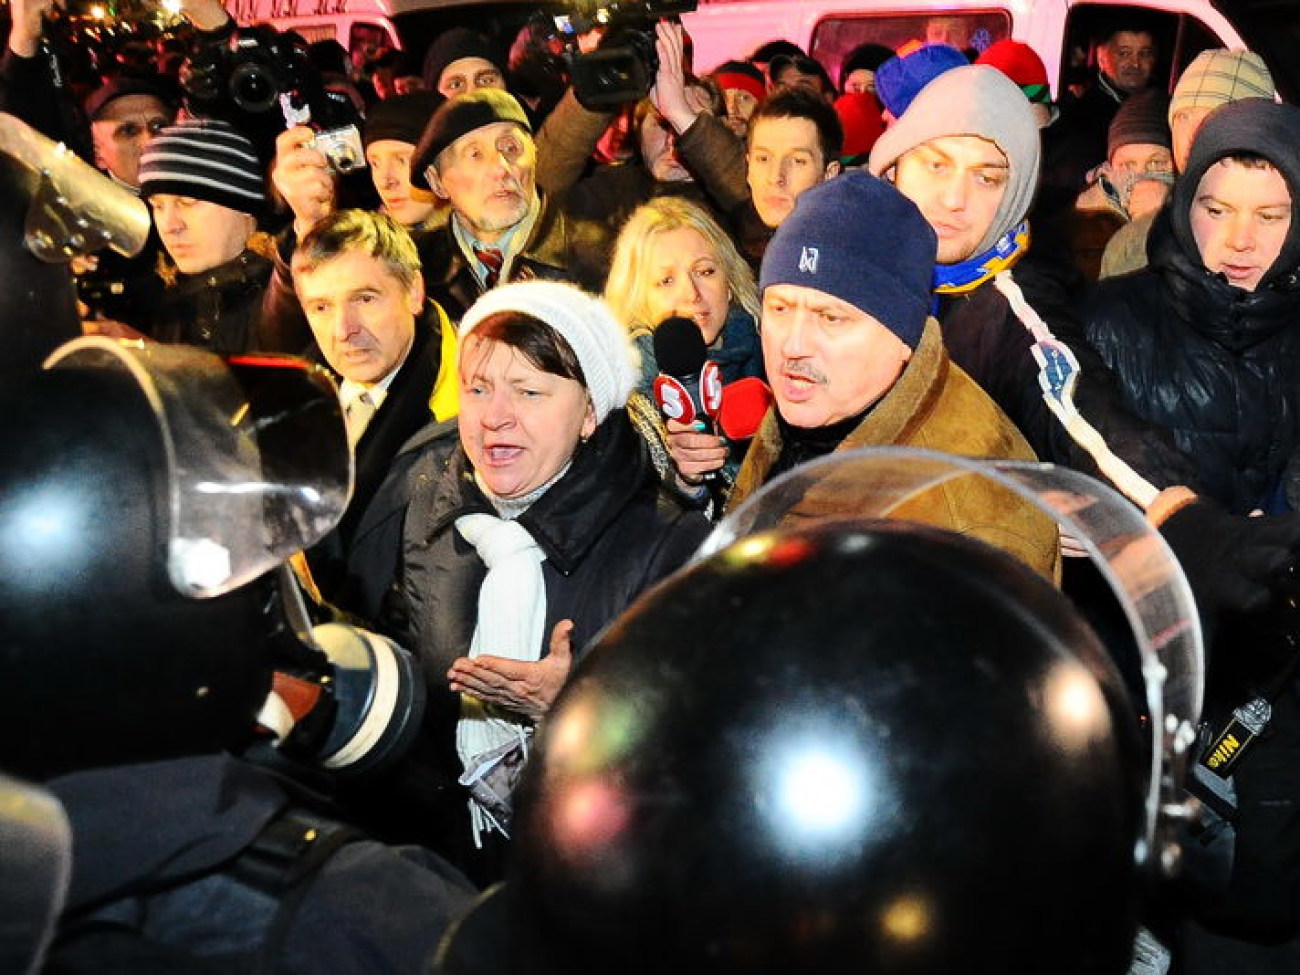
(859, 114)
(1021, 63)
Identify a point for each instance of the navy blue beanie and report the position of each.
(887, 275)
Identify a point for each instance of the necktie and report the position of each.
(492, 260)
(358, 415)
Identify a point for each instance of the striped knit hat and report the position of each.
(1218, 76)
(205, 159)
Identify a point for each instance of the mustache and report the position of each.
(803, 370)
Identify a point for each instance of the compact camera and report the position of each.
(342, 147)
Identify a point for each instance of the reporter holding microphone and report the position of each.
(672, 261)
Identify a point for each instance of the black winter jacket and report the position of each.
(609, 530)
(1218, 366)
(221, 309)
(986, 338)
(345, 584)
(203, 864)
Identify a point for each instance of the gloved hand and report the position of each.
(1234, 564)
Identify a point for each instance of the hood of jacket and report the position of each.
(1230, 316)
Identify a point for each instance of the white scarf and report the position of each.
(511, 623)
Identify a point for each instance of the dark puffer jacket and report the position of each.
(1217, 365)
(987, 339)
(221, 310)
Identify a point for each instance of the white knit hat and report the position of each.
(602, 346)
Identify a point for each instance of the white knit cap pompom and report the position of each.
(602, 346)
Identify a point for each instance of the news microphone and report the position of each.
(689, 387)
(744, 404)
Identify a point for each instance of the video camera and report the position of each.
(622, 69)
(260, 69)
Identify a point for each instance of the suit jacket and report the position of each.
(406, 409)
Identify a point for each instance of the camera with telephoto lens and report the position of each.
(622, 68)
(259, 71)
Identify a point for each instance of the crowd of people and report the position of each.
(930, 251)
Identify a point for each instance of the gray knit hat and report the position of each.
(976, 100)
(602, 346)
(205, 159)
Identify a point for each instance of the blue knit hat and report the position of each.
(888, 276)
(901, 78)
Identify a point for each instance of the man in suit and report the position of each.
(357, 275)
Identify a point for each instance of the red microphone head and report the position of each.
(744, 404)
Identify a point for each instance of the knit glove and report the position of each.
(1234, 564)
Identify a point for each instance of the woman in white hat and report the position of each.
(525, 534)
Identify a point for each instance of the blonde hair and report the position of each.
(628, 281)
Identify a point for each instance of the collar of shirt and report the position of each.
(349, 391)
(509, 244)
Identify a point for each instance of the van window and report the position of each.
(317, 32)
(1271, 28)
(1088, 26)
(972, 31)
(1193, 38)
(370, 39)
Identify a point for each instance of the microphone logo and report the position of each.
(711, 388)
(673, 399)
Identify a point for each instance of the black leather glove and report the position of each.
(1234, 564)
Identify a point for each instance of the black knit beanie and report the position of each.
(401, 118)
(457, 43)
